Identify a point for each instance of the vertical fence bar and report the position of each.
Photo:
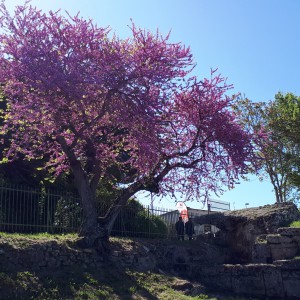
(7, 207)
(29, 213)
(18, 193)
(10, 207)
(23, 197)
(3, 208)
(148, 217)
(48, 211)
(33, 210)
(33, 213)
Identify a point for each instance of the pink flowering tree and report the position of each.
(87, 101)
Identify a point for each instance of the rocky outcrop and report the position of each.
(285, 244)
(262, 281)
(239, 229)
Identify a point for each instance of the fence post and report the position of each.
(48, 211)
(148, 222)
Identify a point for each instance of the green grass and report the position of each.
(40, 236)
(109, 282)
(295, 224)
(160, 287)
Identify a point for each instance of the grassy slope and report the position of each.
(109, 282)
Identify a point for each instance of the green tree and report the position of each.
(286, 121)
(279, 153)
(287, 116)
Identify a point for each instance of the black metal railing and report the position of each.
(25, 209)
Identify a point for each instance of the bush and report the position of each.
(138, 221)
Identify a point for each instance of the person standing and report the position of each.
(179, 226)
(189, 229)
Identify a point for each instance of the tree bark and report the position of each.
(95, 231)
(89, 230)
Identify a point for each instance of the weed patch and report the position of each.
(295, 224)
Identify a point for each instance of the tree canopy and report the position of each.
(287, 119)
(279, 151)
(91, 102)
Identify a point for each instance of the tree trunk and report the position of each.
(111, 216)
(89, 230)
(95, 231)
(89, 211)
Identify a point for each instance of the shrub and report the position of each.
(138, 221)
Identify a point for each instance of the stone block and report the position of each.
(278, 239)
(290, 264)
(284, 250)
(291, 283)
(273, 282)
(296, 239)
(248, 280)
(216, 277)
(289, 231)
(261, 253)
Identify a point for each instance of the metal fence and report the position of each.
(136, 220)
(217, 205)
(25, 209)
(30, 210)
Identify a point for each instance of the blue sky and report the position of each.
(254, 43)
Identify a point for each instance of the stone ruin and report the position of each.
(254, 254)
(263, 256)
(241, 230)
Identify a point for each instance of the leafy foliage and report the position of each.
(287, 123)
(126, 110)
(287, 119)
(279, 153)
(138, 221)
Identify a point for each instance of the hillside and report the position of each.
(110, 279)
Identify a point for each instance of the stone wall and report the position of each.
(240, 228)
(21, 253)
(280, 280)
(205, 264)
(285, 244)
(196, 260)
